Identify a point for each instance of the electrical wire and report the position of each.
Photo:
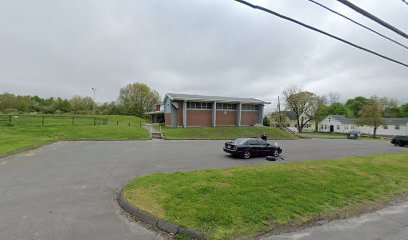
(359, 24)
(372, 17)
(320, 31)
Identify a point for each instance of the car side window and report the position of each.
(253, 142)
(262, 142)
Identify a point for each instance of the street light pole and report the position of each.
(94, 98)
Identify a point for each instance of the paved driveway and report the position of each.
(66, 190)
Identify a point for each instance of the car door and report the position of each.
(265, 148)
(253, 145)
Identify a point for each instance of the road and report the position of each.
(66, 190)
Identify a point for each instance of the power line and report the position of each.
(320, 31)
(361, 25)
(404, 2)
(372, 17)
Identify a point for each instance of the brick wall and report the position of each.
(248, 118)
(180, 114)
(167, 119)
(226, 118)
(198, 118)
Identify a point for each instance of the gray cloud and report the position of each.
(64, 48)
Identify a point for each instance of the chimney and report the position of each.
(157, 107)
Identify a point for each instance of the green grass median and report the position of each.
(29, 135)
(242, 202)
(223, 133)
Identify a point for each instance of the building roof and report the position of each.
(290, 114)
(396, 121)
(191, 97)
(341, 118)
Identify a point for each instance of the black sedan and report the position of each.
(248, 147)
(400, 140)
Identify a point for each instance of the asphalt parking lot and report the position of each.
(66, 190)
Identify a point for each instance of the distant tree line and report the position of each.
(134, 99)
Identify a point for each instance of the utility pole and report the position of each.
(280, 116)
(94, 98)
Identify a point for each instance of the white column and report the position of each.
(214, 114)
(239, 112)
(184, 114)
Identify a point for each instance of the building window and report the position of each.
(397, 127)
(385, 126)
(225, 106)
(247, 107)
(321, 126)
(325, 126)
(198, 105)
(338, 127)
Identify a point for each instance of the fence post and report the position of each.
(10, 120)
(42, 122)
(128, 124)
(94, 121)
(117, 123)
(73, 120)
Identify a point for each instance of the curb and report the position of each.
(154, 221)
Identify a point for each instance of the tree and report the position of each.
(81, 105)
(338, 109)
(138, 98)
(303, 103)
(334, 97)
(403, 109)
(266, 121)
(371, 115)
(356, 104)
(321, 113)
(389, 107)
(8, 102)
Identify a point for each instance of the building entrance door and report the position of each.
(331, 128)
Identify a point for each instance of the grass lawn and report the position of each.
(223, 133)
(242, 202)
(20, 137)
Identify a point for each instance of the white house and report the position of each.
(392, 127)
(342, 124)
(336, 123)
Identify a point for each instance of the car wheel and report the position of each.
(275, 153)
(247, 154)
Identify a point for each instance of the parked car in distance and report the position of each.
(353, 135)
(249, 147)
(400, 140)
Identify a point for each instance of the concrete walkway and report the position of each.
(390, 223)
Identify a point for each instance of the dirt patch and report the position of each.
(224, 185)
(30, 153)
(143, 199)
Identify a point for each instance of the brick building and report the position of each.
(184, 110)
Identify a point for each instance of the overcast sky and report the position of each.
(210, 47)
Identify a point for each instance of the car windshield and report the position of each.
(240, 141)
